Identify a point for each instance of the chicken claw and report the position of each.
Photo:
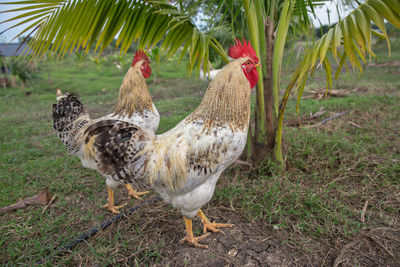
(134, 193)
(110, 205)
(193, 241)
(212, 226)
(114, 209)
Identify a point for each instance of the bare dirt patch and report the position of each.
(246, 244)
(377, 247)
(161, 228)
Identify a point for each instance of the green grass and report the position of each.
(331, 170)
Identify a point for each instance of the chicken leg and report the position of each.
(110, 205)
(134, 193)
(194, 241)
(207, 225)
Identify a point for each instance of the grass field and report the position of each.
(306, 214)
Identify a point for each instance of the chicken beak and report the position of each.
(258, 65)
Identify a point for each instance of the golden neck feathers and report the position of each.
(133, 93)
(227, 99)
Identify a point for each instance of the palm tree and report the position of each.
(62, 26)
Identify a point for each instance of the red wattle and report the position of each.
(252, 77)
(146, 71)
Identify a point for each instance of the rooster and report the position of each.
(183, 164)
(134, 106)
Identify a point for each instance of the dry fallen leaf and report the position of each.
(42, 198)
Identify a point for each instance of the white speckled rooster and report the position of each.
(134, 106)
(183, 164)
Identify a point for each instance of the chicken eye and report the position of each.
(248, 63)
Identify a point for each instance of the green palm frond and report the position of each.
(303, 8)
(354, 33)
(63, 26)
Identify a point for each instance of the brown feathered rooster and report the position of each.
(134, 106)
(183, 164)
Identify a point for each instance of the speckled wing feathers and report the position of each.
(118, 147)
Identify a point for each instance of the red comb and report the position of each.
(242, 50)
(140, 55)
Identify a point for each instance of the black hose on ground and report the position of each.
(101, 227)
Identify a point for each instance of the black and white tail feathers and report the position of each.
(69, 117)
(66, 111)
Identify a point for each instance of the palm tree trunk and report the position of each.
(258, 140)
(266, 147)
(270, 117)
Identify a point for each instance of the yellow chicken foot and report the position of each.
(134, 193)
(207, 225)
(193, 241)
(110, 205)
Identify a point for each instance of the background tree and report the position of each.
(13, 66)
(63, 26)
(22, 69)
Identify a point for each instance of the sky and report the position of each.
(8, 36)
(333, 17)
